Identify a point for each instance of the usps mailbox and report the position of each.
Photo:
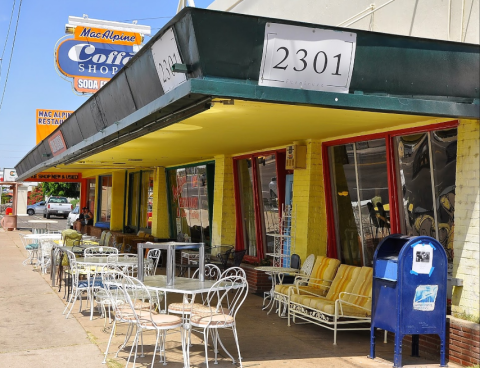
(409, 291)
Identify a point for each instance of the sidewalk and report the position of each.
(34, 332)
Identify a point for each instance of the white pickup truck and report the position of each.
(57, 206)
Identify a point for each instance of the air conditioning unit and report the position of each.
(296, 157)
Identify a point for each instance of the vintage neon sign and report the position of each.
(96, 53)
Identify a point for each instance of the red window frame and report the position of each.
(280, 156)
(395, 224)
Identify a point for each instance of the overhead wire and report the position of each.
(11, 54)
(6, 38)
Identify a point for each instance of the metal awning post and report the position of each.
(171, 247)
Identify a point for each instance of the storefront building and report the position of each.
(211, 154)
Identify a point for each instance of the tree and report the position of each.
(36, 195)
(70, 190)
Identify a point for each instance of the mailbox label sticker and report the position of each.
(422, 258)
(425, 296)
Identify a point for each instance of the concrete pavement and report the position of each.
(33, 332)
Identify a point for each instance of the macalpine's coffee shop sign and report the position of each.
(97, 51)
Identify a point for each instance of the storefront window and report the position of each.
(360, 195)
(190, 203)
(260, 186)
(140, 200)
(246, 187)
(133, 200)
(105, 199)
(428, 201)
(421, 166)
(91, 195)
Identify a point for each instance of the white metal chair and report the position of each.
(112, 280)
(222, 303)
(153, 256)
(31, 246)
(116, 260)
(139, 305)
(44, 254)
(79, 286)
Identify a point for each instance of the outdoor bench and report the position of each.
(316, 283)
(347, 302)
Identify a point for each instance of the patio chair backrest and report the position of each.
(234, 271)
(154, 255)
(212, 272)
(324, 269)
(226, 296)
(295, 261)
(307, 265)
(100, 251)
(115, 260)
(238, 257)
(101, 242)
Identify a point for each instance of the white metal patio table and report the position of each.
(275, 272)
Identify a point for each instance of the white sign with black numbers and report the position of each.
(307, 58)
(165, 54)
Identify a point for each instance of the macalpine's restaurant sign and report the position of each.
(94, 55)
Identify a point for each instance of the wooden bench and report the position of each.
(347, 302)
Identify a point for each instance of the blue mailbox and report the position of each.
(409, 291)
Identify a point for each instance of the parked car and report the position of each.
(38, 207)
(73, 216)
(57, 206)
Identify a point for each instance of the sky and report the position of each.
(33, 82)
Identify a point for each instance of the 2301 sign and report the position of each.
(307, 58)
(165, 54)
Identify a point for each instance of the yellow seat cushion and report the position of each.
(324, 269)
(348, 310)
(306, 300)
(344, 281)
(363, 286)
(282, 289)
(313, 290)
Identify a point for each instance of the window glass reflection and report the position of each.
(106, 199)
(415, 176)
(444, 150)
(374, 197)
(245, 178)
(189, 203)
(268, 183)
(345, 198)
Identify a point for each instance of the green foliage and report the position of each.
(74, 202)
(5, 198)
(70, 190)
(467, 317)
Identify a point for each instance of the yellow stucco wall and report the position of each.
(160, 223)
(223, 221)
(309, 204)
(466, 299)
(118, 199)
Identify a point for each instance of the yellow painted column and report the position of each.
(465, 300)
(118, 196)
(310, 225)
(223, 226)
(160, 217)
